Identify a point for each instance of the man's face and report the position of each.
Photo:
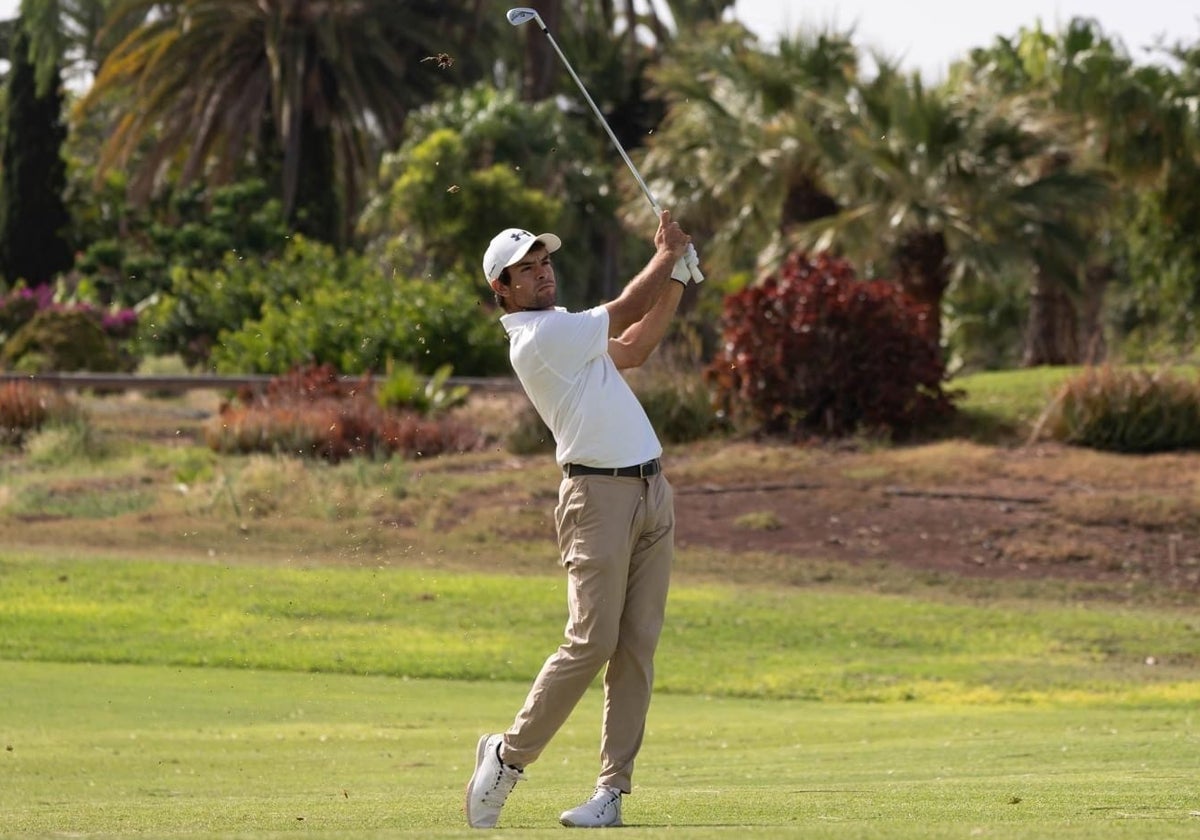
(531, 282)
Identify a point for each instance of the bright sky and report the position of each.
(927, 35)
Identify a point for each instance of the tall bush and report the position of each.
(58, 339)
(33, 213)
(25, 408)
(201, 302)
(134, 251)
(313, 305)
(813, 350)
(1135, 411)
(360, 319)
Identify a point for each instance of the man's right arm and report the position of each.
(644, 290)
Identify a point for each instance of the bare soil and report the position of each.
(940, 511)
(1026, 513)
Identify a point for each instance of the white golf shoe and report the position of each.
(490, 785)
(603, 810)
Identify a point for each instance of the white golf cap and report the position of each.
(508, 246)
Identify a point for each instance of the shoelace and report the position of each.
(605, 798)
(502, 785)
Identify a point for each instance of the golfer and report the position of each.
(615, 515)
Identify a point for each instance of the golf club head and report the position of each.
(522, 14)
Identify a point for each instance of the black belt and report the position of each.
(640, 471)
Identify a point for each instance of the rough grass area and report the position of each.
(954, 513)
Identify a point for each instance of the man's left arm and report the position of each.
(634, 345)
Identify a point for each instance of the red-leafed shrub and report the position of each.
(304, 384)
(25, 408)
(814, 350)
(312, 412)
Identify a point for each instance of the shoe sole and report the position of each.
(480, 752)
(570, 824)
(565, 820)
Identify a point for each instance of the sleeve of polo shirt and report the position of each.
(572, 339)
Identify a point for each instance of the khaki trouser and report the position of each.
(616, 536)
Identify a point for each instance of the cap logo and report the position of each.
(507, 244)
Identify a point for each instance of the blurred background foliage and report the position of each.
(264, 184)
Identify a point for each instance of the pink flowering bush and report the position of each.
(40, 332)
(21, 304)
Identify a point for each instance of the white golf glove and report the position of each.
(687, 267)
(681, 272)
(693, 264)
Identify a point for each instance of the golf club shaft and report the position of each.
(637, 175)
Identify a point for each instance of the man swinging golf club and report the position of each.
(615, 515)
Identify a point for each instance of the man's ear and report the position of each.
(499, 287)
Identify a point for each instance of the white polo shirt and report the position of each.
(562, 361)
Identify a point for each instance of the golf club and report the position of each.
(522, 15)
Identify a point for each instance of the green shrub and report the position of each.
(529, 435)
(18, 306)
(63, 340)
(66, 439)
(201, 302)
(814, 350)
(405, 388)
(680, 408)
(1134, 411)
(25, 408)
(134, 253)
(357, 328)
(314, 306)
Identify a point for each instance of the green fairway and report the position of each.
(750, 641)
(160, 699)
(120, 750)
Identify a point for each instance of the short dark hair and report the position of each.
(504, 280)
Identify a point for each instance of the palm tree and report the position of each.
(937, 184)
(72, 33)
(740, 150)
(312, 89)
(1121, 121)
(1163, 259)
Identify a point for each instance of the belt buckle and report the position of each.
(643, 467)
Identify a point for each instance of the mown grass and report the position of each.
(194, 645)
(811, 643)
(150, 751)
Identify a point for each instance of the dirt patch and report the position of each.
(1005, 522)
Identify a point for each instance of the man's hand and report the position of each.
(670, 238)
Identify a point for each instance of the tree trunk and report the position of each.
(609, 278)
(923, 272)
(542, 63)
(1052, 334)
(1091, 333)
(318, 212)
(805, 202)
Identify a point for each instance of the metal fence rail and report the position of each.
(178, 383)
